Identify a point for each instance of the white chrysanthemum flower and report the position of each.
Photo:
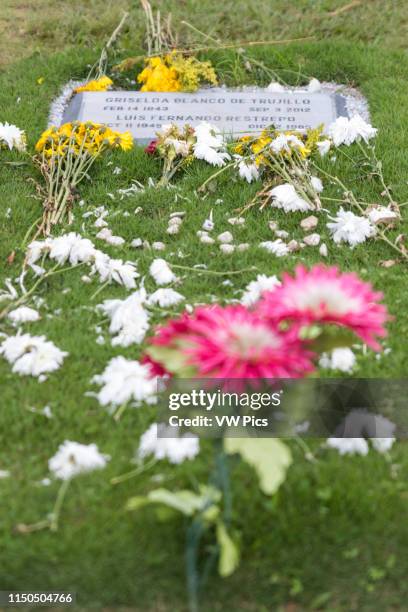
(248, 171)
(255, 288)
(275, 87)
(161, 272)
(82, 251)
(348, 446)
(31, 355)
(12, 136)
(165, 298)
(60, 247)
(382, 214)
(323, 147)
(346, 131)
(125, 380)
(342, 359)
(286, 197)
(106, 235)
(123, 273)
(350, 228)
(170, 445)
(210, 145)
(285, 143)
(23, 314)
(129, 321)
(314, 86)
(316, 184)
(276, 247)
(73, 458)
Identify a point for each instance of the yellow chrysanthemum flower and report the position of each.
(157, 76)
(175, 72)
(101, 84)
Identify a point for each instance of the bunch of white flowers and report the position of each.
(74, 249)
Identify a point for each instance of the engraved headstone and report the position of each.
(234, 112)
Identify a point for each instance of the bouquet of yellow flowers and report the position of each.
(65, 155)
(176, 72)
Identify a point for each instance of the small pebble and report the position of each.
(227, 249)
(158, 246)
(323, 250)
(225, 237)
(282, 234)
(136, 243)
(236, 220)
(293, 246)
(244, 246)
(309, 223)
(312, 239)
(206, 239)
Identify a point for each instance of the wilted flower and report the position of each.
(129, 321)
(12, 137)
(276, 247)
(286, 197)
(348, 227)
(73, 458)
(31, 355)
(346, 131)
(161, 272)
(255, 288)
(125, 380)
(170, 445)
(165, 298)
(23, 314)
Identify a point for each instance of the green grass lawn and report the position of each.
(54, 25)
(334, 536)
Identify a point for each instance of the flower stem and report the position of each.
(55, 514)
(128, 475)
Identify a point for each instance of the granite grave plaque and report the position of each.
(235, 113)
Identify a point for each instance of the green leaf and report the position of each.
(229, 553)
(184, 501)
(172, 359)
(268, 456)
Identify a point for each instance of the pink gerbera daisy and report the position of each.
(327, 295)
(233, 342)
